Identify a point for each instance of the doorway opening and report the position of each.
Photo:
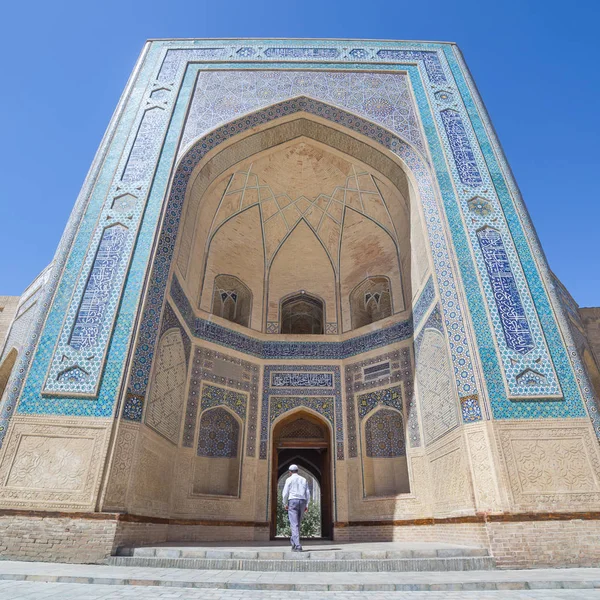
(303, 439)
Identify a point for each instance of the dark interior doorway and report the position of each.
(303, 439)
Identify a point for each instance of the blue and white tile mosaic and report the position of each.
(506, 294)
(308, 379)
(471, 174)
(323, 400)
(384, 98)
(209, 368)
(213, 396)
(464, 158)
(89, 319)
(219, 434)
(387, 397)
(423, 303)
(358, 379)
(539, 276)
(470, 409)
(384, 435)
(267, 349)
(459, 345)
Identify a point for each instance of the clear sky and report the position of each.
(64, 65)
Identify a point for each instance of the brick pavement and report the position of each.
(173, 580)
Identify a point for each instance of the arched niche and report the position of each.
(232, 300)
(218, 453)
(385, 467)
(302, 313)
(370, 301)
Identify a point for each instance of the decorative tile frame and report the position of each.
(539, 277)
(429, 87)
(324, 400)
(91, 313)
(203, 374)
(401, 372)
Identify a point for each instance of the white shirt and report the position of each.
(295, 488)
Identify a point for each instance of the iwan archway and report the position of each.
(294, 209)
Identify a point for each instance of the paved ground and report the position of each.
(28, 590)
(44, 580)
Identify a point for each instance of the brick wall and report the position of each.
(139, 534)
(538, 544)
(56, 539)
(463, 533)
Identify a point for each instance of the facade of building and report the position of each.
(310, 252)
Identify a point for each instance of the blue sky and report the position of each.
(65, 64)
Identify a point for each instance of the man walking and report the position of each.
(296, 497)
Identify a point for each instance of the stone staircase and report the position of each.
(382, 557)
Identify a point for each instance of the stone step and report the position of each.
(540, 579)
(305, 565)
(310, 553)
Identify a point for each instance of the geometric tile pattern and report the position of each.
(384, 392)
(423, 302)
(538, 276)
(133, 407)
(437, 396)
(470, 409)
(165, 402)
(219, 434)
(387, 397)
(460, 349)
(384, 434)
(210, 367)
(279, 405)
(169, 321)
(217, 396)
(98, 283)
(384, 97)
(430, 60)
(91, 315)
(277, 400)
(465, 155)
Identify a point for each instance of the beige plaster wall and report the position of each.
(590, 317)
(8, 310)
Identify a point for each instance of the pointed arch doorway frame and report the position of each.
(303, 438)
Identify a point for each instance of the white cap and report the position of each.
(293, 468)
